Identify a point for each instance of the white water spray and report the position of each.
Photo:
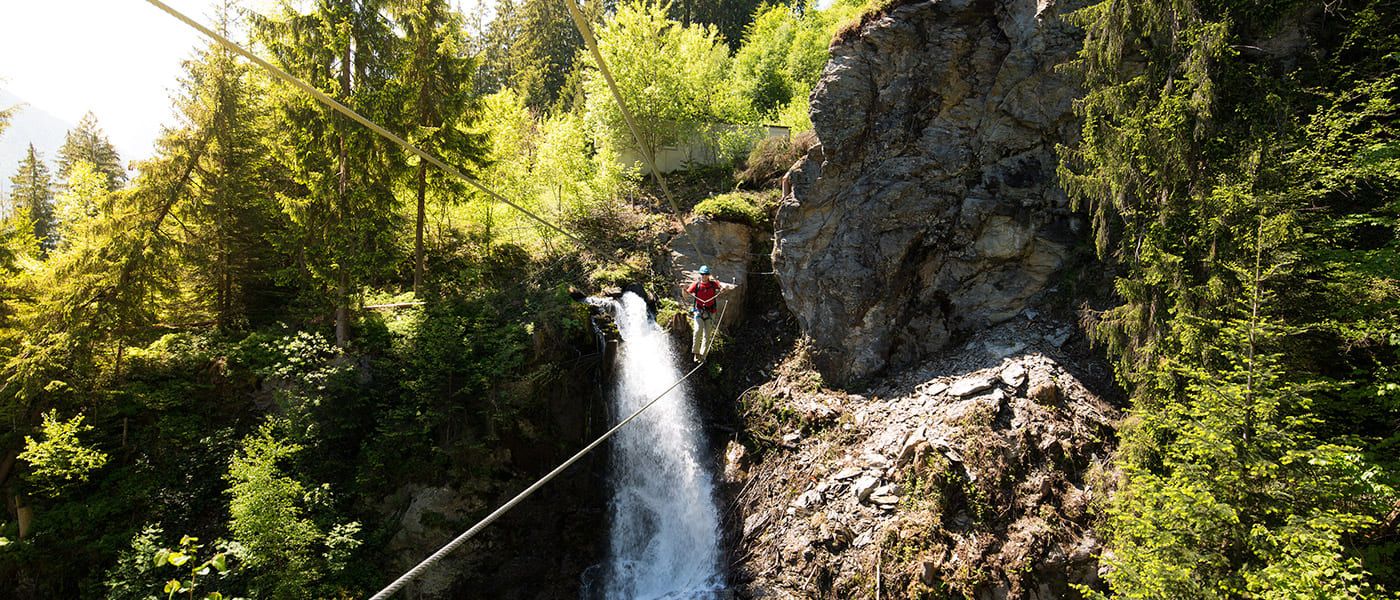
(665, 539)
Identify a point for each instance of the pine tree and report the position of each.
(32, 195)
(342, 217)
(229, 217)
(87, 142)
(442, 102)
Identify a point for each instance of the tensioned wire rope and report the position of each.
(325, 99)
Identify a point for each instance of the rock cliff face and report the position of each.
(930, 208)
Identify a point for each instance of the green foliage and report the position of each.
(735, 207)
(58, 459)
(549, 167)
(227, 219)
(728, 17)
(780, 60)
(268, 516)
(185, 557)
(341, 209)
(186, 314)
(87, 143)
(1248, 205)
(672, 77)
(134, 576)
(32, 197)
(531, 48)
(771, 158)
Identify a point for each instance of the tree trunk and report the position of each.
(418, 235)
(25, 515)
(342, 291)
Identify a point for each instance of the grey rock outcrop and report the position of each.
(950, 490)
(725, 247)
(930, 207)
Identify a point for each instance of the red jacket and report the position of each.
(704, 292)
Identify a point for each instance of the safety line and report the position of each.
(459, 540)
(589, 40)
(347, 111)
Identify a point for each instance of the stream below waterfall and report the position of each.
(664, 531)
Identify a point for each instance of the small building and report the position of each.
(701, 152)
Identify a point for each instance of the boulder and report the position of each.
(930, 206)
(434, 516)
(970, 385)
(863, 487)
(725, 247)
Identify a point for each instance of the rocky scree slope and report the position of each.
(970, 476)
(930, 206)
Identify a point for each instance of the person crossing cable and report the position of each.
(705, 290)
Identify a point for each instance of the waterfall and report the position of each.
(664, 540)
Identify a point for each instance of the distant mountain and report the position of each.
(30, 125)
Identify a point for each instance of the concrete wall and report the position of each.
(703, 152)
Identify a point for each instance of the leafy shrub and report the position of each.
(633, 270)
(734, 207)
(772, 157)
(59, 459)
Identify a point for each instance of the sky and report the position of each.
(119, 59)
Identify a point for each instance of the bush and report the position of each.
(772, 157)
(735, 207)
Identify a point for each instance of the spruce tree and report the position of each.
(531, 47)
(1246, 206)
(87, 142)
(729, 17)
(342, 212)
(31, 195)
(443, 104)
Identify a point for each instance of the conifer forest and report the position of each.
(284, 356)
